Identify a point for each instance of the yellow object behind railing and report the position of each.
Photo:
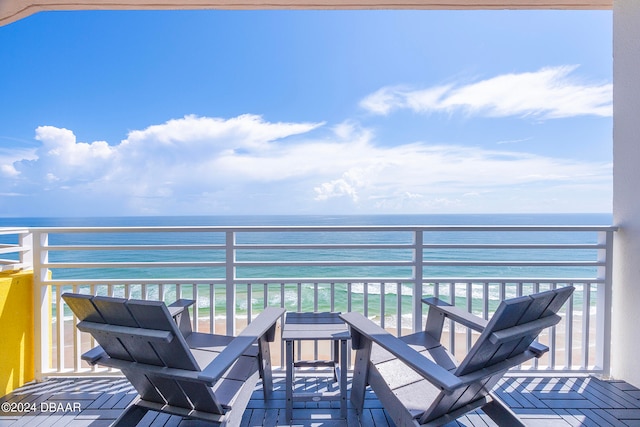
(16, 330)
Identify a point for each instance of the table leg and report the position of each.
(343, 378)
(289, 379)
(335, 347)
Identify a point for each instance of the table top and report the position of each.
(314, 326)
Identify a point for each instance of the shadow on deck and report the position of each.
(549, 402)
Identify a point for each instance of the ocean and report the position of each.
(279, 220)
(299, 295)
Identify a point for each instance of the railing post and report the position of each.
(418, 259)
(603, 305)
(230, 277)
(41, 305)
(25, 241)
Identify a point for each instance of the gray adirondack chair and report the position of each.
(173, 369)
(418, 381)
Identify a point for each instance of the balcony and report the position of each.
(381, 271)
(564, 401)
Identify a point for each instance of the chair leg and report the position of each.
(501, 413)
(264, 367)
(131, 416)
(360, 375)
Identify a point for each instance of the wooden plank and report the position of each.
(602, 418)
(83, 307)
(151, 335)
(320, 327)
(428, 347)
(612, 389)
(575, 418)
(114, 311)
(531, 328)
(103, 389)
(315, 335)
(293, 317)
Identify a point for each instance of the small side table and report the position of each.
(311, 327)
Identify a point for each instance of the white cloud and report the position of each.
(550, 93)
(8, 156)
(200, 165)
(8, 170)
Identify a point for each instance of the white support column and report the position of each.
(626, 200)
(41, 305)
(603, 309)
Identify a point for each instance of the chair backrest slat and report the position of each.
(554, 303)
(85, 309)
(513, 312)
(114, 311)
(155, 315)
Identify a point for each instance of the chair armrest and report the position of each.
(432, 372)
(94, 355)
(177, 309)
(456, 314)
(263, 325)
(538, 349)
(179, 306)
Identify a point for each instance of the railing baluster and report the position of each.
(552, 341)
(485, 300)
(452, 325)
(60, 330)
(365, 299)
(249, 300)
(282, 305)
(196, 308)
(399, 309)
(212, 308)
(568, 333)
(586, 323)
(470, 310)
(382, 307)
(230, 276)
(418, 275)
(265, 292)
(77, 342)
(332, 293)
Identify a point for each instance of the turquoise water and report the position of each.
(317, 297)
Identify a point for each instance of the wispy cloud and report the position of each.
(245, 164)
(514, 141)
(549, 93)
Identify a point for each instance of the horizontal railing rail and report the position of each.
(383, 272)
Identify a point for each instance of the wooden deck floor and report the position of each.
(549, 402)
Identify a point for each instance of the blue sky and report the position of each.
(296, 112)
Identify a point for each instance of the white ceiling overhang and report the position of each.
(13, 10)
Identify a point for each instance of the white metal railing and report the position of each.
(15, 249)
(381, 271)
